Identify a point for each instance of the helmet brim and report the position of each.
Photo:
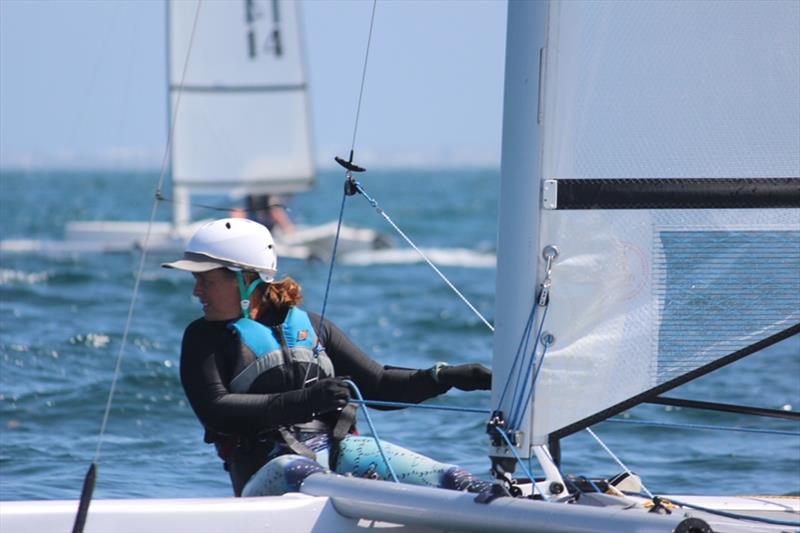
(195, 263)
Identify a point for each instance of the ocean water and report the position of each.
(62, 320)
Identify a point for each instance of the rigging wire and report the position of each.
(522, 347)
(403, 405)
(91, 474)
(381, 212)
(372, 201)
(524, 398)
(349, 177)
(521, 463)
(617, 459)
(363, 76)
(145, 242)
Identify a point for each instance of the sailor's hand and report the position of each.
(473, 376)
(328, 395)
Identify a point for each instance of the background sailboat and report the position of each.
(239, 125)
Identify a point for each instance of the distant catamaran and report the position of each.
(649, 233)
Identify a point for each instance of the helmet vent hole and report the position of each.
(228, 225)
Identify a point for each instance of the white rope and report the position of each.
(617, 459)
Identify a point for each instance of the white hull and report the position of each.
(313, 242)
(357, 246)
(336, 503)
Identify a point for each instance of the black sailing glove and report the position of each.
(327, 395)
(473, 376)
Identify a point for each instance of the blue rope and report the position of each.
(330, 267)
(703, 426)
(372, 429)
(381, 403)
(521, 462)
(516, 413)
(403, 405)
(522, 347)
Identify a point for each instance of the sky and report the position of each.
(82, 83)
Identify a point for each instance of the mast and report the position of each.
(518, 246)
(180, 205)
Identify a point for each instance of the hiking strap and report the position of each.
(346, 421)
(295, 445)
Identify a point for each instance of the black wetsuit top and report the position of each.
(210, 355)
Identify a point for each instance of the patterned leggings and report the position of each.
(359, 457)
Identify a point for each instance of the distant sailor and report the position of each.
(267, 380)
(270, 211)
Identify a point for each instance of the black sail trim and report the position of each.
(678, 193)
(726, 408)
(669, 385)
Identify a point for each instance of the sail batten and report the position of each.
(650, 395)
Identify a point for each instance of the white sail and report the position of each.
(696, 102)
(242, 108)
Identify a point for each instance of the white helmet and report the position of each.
(234, 243)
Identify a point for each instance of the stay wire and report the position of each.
(363, 76)
(140, 270)
(91, 475)
(616, 459)
(344, 195)
(400, 232)
(317, 349)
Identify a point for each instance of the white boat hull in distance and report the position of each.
(312, 242)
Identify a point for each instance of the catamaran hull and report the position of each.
(337, 503)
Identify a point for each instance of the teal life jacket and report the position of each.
(288, 356)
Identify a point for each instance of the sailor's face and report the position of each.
(218, 292)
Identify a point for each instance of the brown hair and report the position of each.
(283, 293)
(277, 296)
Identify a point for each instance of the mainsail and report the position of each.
(659, 154)
(238, 84)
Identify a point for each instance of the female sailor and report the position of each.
(267, 379)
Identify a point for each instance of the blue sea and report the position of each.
(62, 320)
